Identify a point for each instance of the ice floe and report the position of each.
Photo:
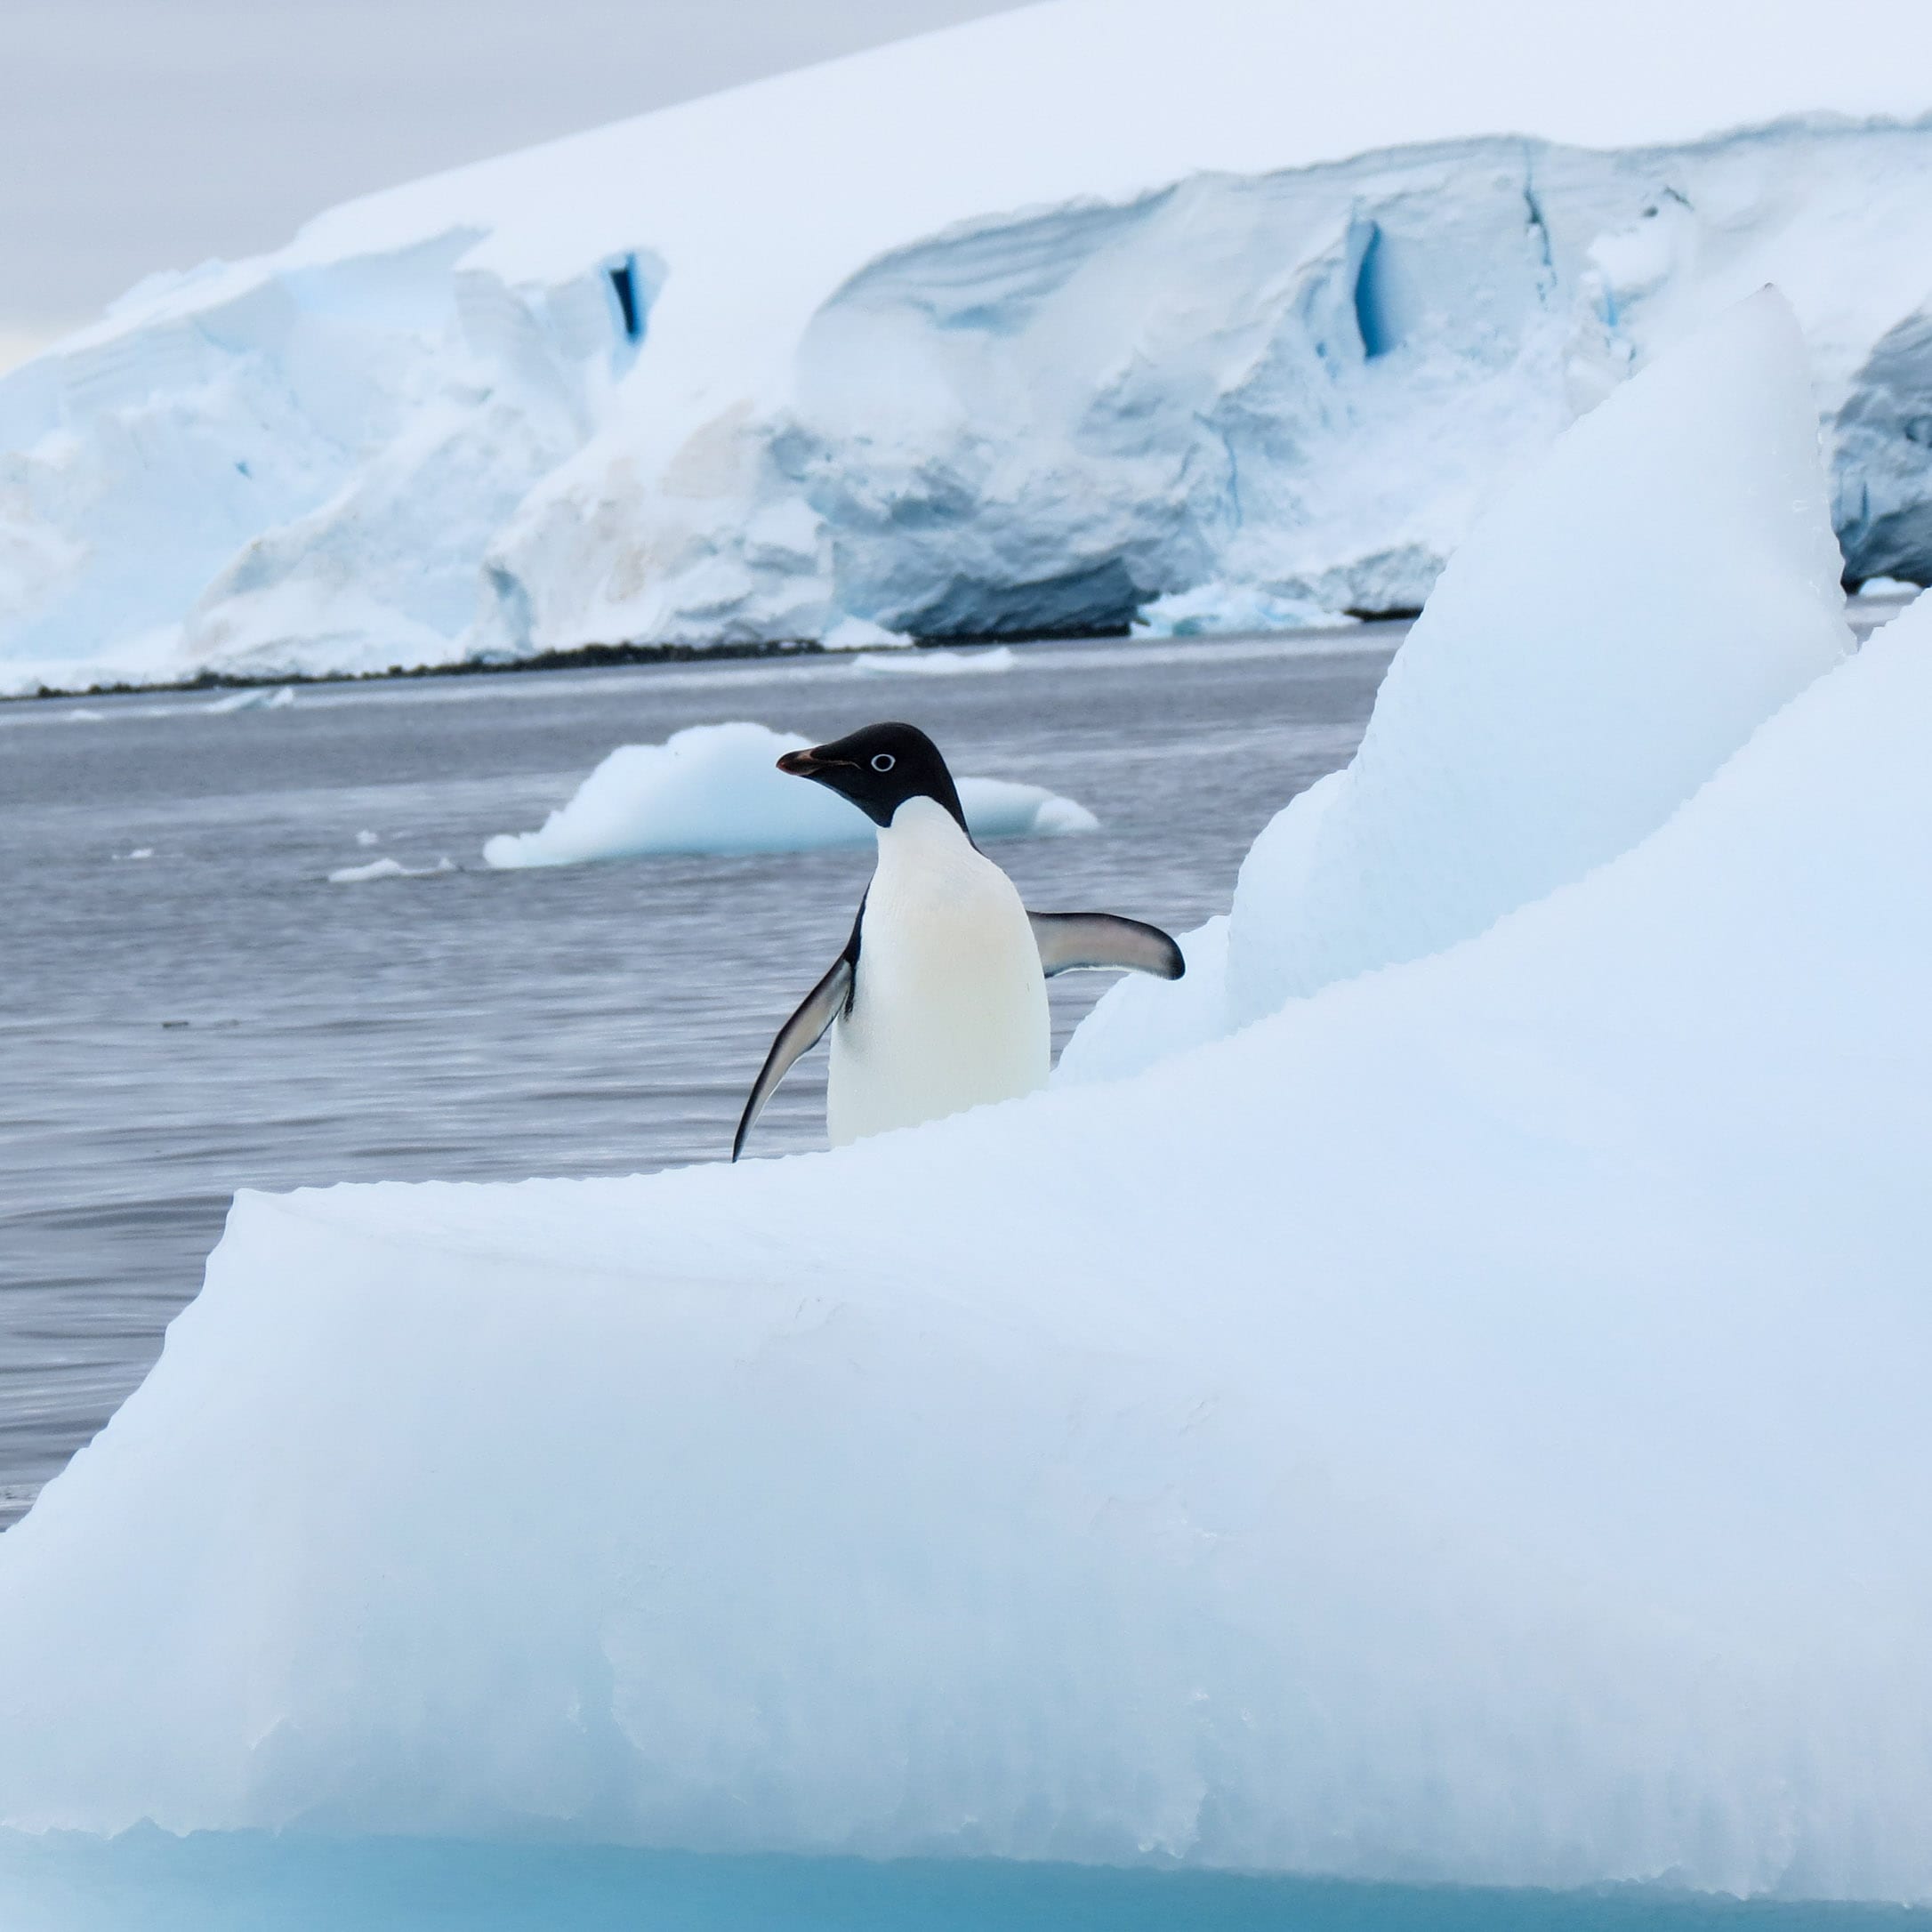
(388, 868)
(930, 663)
(257, 699)
(1223, 611)
(716, 788)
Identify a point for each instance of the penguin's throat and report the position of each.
(923, 825)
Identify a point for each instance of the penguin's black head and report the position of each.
(879, 768)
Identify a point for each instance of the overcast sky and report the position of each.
(144, 134)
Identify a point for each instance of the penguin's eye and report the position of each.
(884, 760)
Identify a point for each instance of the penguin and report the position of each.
(939, 1002)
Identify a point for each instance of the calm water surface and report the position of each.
(191, 1008)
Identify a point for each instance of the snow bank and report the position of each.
(716, 375)
(716, 788)
(1618, 622)
(1470, 1425)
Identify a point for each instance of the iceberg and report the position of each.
(1526, 733)
(1164, 353)
(1518, 740)
(1470, 1425)
(716, 788)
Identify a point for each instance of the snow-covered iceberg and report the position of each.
(717, 788)
(1242, 313)
(1470, 1425)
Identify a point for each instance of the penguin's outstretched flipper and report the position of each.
(1069, 941)
(803, 1032)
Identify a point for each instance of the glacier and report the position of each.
(1166, 353)
(717, 788)
(1468, 1424)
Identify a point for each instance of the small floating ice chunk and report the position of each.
(255, 698)
(367, 839)
(932, 664)
(717, 788)
(1004, 808)
(1888, 587)
(388, 868)
(1234, 610)
(80, 714)
(862, 634)
(139, 851)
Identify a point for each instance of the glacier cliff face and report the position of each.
(1303, 382)
(826, 372)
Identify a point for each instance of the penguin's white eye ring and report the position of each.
(884, 760)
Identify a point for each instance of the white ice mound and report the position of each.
(717, 788)
(1619, 620)
(1472, 1426)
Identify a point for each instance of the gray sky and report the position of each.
(144, 134)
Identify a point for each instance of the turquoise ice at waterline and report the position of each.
(247, 1883)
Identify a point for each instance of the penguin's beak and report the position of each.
(813, 764)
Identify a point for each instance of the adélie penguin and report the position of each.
(939, 1002)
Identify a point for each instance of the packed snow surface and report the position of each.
(1198, 341)
(717, 788)
(1468, 1425)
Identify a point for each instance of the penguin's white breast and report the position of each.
(949, 1008)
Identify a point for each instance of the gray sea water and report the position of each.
(190, 1007)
